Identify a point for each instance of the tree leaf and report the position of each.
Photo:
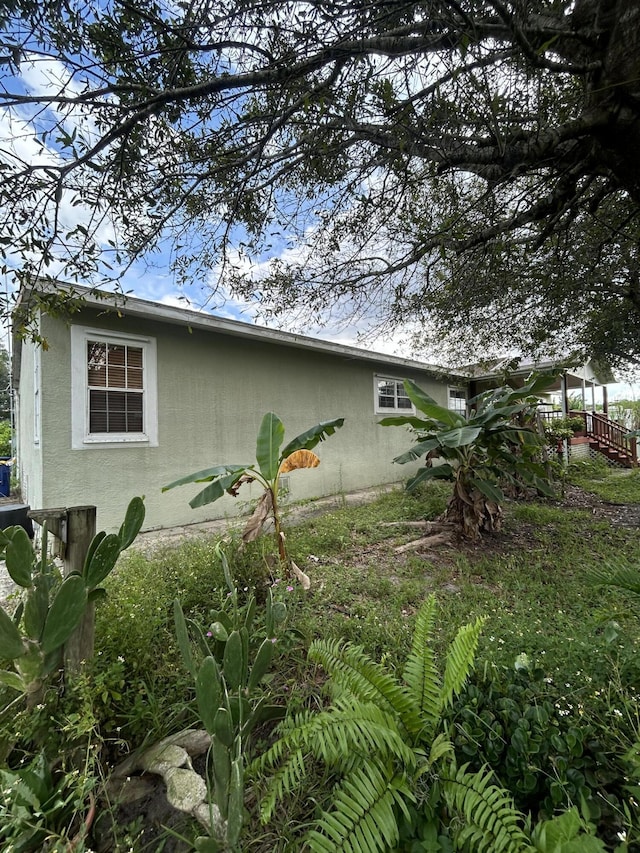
(460, 436)
(428, 406)
(206, 475)
(488, 489)
(418, 450)
(270, 438)
(310, 438)
(437, 472)
(260, 514)
(216, 489)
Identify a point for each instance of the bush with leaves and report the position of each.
(508, 720)
(5, 438)
(494, 444)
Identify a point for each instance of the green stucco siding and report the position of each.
(213, 390)
(29, 451)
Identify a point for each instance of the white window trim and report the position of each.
(37, 394)
(81, 439)
(380, 410)
(451, 388)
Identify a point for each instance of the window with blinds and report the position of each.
(115, 378)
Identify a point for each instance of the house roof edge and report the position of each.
(134, 306)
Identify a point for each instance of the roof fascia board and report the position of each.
(135, 307)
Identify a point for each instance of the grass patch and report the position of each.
(615, 485)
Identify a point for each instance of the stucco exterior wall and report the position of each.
(213, 390)
(29, 445)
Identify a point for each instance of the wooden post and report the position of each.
(74, 527)
(81, 528)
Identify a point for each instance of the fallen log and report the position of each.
(430, 541)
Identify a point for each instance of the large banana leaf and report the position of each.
(489, 490)
(216, 489)
(428, 406)
(307, 440)
(438, 472)
(206, 475)
(417, 450)
(404, 420)
(460, 436)
(270, 438)
(501, 414)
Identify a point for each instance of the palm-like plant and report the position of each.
(477, 453)
(383, 742)
(273, 461)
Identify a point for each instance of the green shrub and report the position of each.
(5, 438)
(542, 751)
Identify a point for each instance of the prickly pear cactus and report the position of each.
(32, 641)
(226, 683)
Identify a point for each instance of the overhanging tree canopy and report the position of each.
(473, 158)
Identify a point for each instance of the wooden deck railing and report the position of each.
(602, 429)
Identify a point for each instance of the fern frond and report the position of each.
(363, 818)
(287, 778)
(420, 672)
(342, 738)
(460, 657)
(621, 575)
(353, 670)
(492, 824)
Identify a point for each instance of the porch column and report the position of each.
(605, 400)
(584, 394)
(593, 395)
(563, 394)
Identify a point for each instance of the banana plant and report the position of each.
(477, 453)
(32, 640)
(236, 659)
(273, 461)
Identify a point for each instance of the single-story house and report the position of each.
(129, 396)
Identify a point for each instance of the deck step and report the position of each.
(612, 453)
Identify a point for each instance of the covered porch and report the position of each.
(572, 395)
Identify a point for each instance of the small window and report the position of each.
(390, 396)
(114, 396)
(458, 400)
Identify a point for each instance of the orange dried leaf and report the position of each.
(299, 459)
